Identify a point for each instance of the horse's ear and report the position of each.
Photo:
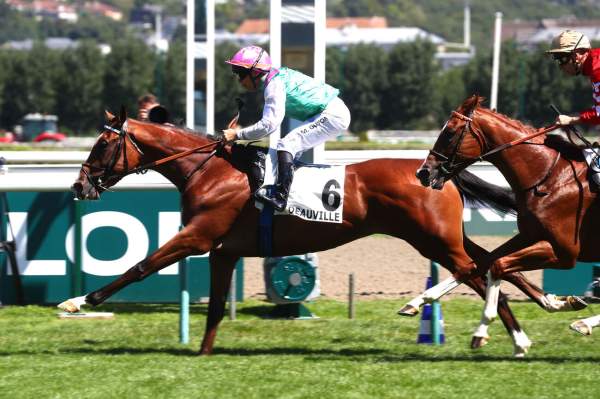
(109, 117)
(123, 114)
(471, 103)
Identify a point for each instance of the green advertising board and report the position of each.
(116, 232)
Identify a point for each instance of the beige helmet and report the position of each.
(569, 40)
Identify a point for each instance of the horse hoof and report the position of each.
(581, 327)
(479, 342)
(73, 305)
(576, 302)
(520, 353)
(408, 310)
(68, 306)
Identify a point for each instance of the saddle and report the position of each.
(579, 153)
(250, 159)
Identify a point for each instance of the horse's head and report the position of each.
(112, 156)
(457, 145)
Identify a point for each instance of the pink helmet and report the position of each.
(251, 57)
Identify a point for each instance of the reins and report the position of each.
(454, 169)
(144, 168)
(121, 147)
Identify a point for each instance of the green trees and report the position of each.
(79, 89)
(410, 96)
(130, 73)
(401, 88)
(363, 83)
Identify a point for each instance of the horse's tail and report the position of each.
(488, 195)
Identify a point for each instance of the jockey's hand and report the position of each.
(566, 120)
(230, 134)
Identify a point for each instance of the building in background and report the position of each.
(530, 34)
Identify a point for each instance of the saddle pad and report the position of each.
(317, 192)
(592, 159)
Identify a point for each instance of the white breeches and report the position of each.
(318, 129)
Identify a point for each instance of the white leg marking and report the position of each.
(416, 302)
(585, 326)
(593, 321)
(553, 304)
(441, 289)
(73, 305)
(521, 343)
(490, 311)
(482, 331)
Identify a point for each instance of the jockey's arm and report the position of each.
(272, 116)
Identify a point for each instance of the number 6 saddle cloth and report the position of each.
(317, 192)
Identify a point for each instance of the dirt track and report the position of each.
(383, 267)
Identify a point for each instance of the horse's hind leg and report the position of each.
(221, 269)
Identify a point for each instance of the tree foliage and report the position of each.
(402, 88)
(80, 89)
(363, 84)
(129, 74)
(410, 93)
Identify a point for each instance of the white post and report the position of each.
(467, 25)
(210, 67)
(320, 46)
(496, 62)
(190, 56)
(275, 51)
(158, 29)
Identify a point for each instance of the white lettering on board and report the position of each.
(30, 267)
(168, 226)
(137, 242)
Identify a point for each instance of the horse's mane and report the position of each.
(183, 130)
(559, 143)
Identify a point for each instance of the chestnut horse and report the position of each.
(557, 211)
(218, 213)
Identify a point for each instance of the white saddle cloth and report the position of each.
(317, 192)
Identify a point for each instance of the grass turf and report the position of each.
(137, 355)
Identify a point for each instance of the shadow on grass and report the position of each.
(316, 355)
(260, 311)
(147, 308)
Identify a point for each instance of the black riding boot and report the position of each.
(285, 174)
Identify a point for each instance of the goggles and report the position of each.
(562, 58)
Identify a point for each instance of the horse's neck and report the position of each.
(160, 142)
(522, 165)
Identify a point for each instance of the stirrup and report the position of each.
(277, 203)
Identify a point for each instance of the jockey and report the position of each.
(575, 56)
(287, 92)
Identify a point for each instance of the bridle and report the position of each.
(99, 181)
(449, 167)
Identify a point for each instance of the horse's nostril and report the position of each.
(77, 187)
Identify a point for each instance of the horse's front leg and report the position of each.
(221, 269)
(180, 246)
(513, 256)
